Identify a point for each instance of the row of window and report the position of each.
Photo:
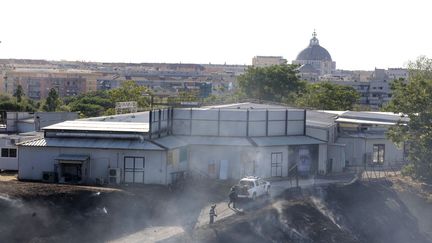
(9, 152)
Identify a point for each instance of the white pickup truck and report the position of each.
(252, 187)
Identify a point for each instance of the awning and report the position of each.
(72, 159)
(170, 142)
(285, 140)
(212, 140)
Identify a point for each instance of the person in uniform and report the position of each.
(232, 197)
(212, 213)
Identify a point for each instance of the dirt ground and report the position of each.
(382, 211)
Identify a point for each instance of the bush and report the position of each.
(408, 170)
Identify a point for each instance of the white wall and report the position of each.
(35, 160)
(8, 163)
(234, 123)
(264, 161)
(318, 133)
(322, 158)
(201, 156)
(242, 160)
(336, 153)
(357, 147)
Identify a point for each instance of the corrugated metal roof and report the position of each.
(209, 140)
(92, 143)
(100, 126)
(39, 142)
(374, 116)
(282, 141)
(361, 121)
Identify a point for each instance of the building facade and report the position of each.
(223, 143)
(265, 61)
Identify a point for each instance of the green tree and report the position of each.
(414, 99)
(19, 93)
(273, 83)
(52, 102)
(328, 96)
(91, 104)
(131, 91)
(7, 103)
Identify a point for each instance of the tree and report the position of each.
(414, 100)
(273, 83)
(91, 104)
(131, 91)
(19, 93)
(7, 103)
(328, 96)
(52, 102)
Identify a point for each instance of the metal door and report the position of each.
(223, 170)
(134, 169)
(276, 164)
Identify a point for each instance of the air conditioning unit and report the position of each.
(114, 175)
(48, 176)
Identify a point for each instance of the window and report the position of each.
(13, 153)
(9, 152)
(5, 152)
(378, 153)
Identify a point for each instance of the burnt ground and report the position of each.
(360, 212)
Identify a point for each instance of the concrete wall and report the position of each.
(35, 160)
(238, 123)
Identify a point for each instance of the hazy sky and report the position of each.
(358, 34)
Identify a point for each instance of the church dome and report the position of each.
(314, 51)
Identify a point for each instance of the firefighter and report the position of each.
(212, 213)
(232, 197)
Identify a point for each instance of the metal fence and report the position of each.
(369, 172)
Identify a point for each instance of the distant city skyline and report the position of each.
(358, 35)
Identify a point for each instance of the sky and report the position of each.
(360, 35)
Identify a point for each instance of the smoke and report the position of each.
(153, 213)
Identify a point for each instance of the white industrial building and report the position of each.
(223, 142)
(16, 127)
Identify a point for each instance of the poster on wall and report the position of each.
(305, 157)
(304, 161)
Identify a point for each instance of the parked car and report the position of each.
(252, 187)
